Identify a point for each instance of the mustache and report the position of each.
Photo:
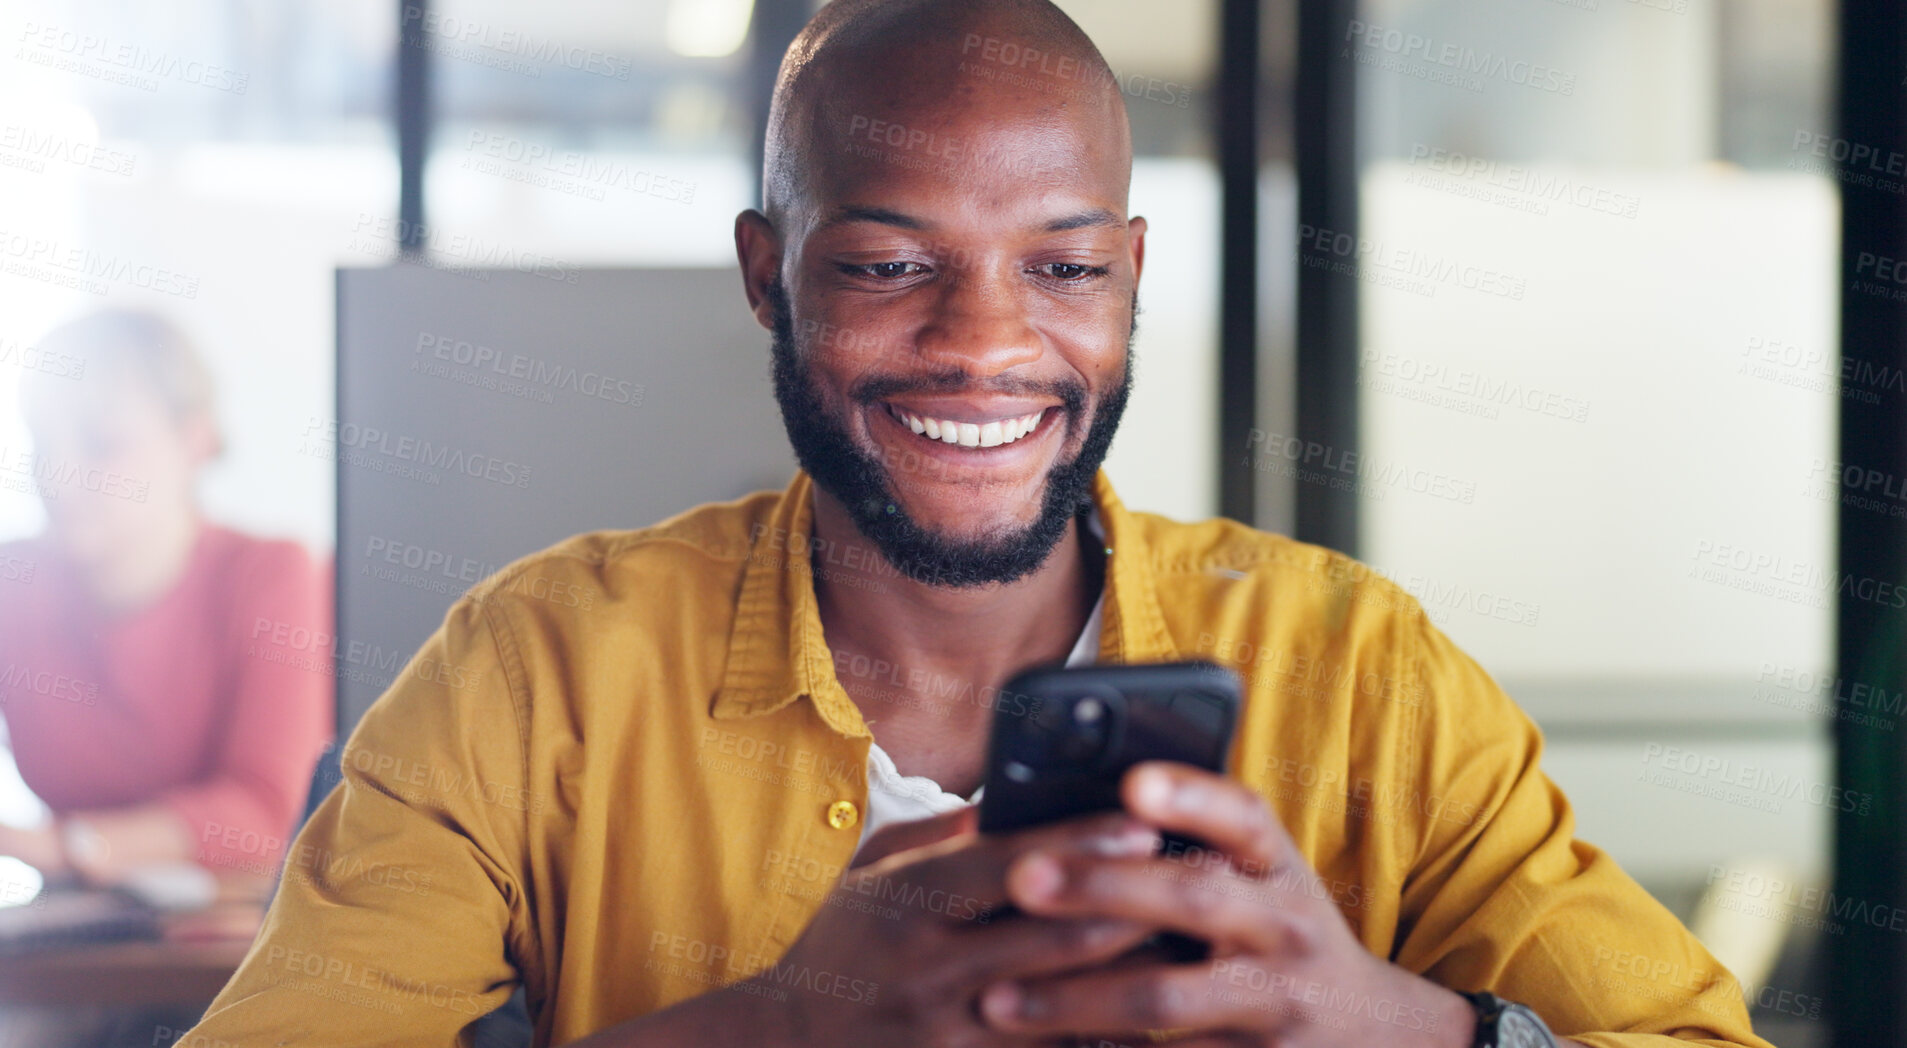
(875, 388)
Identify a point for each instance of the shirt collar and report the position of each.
(777, 652)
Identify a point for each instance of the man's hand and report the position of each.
(1285, 967)
(922, 932)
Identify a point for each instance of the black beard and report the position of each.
(860, 481)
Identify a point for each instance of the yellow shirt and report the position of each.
(625, 773)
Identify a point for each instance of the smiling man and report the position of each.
(727, 799)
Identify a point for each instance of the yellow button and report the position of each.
(843, 814)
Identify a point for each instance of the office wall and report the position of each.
(636, 394)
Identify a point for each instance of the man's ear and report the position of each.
(758, 248)
(1136, 231)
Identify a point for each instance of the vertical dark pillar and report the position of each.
(1868, 959)
(1237, 140)
(1327, 328)
(413, 112)
(774, 27)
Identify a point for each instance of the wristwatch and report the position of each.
(1502, 1024)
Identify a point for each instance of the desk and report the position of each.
(121, 973)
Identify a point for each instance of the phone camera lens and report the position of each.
(1089, 710)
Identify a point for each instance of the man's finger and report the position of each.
(1158, 998)
(1018, 947)
(1222, 813)
(1209, 903)
(976, 868)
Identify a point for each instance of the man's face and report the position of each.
(976, 282)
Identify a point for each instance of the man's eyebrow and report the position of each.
(856, 213)
(1097, 216)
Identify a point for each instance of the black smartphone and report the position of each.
(1063, 739)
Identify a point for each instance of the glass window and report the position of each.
(1598, 393)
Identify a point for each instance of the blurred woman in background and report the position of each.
(141, 703)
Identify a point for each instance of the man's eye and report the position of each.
(888, 270)
(1074, 272)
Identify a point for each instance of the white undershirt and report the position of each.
(893, 797)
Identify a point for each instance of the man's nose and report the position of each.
(980, 326)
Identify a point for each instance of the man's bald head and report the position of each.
(898, 78)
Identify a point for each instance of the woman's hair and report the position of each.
(143, 347)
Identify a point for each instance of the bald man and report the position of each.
(727, 799)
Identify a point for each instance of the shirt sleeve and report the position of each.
(402, 914)
(1502, 897)
(277, 719)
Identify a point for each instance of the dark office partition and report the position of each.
(485, 415)
(1868, 968)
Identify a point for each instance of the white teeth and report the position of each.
(972, 434)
